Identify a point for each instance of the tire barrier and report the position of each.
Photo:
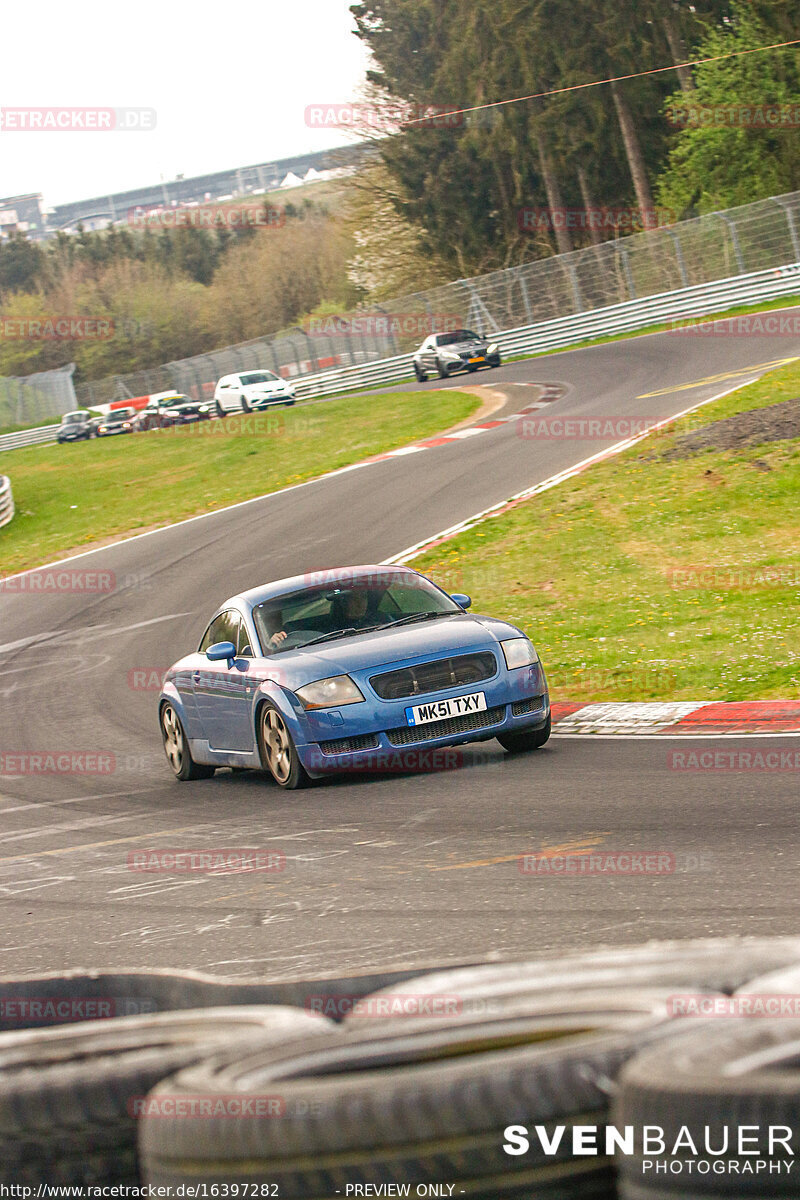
(419, 1079)
(6, 501)
(741, 1075)
(421, 1101)
(69, 1096)
(53, 999)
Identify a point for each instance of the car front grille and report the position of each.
(520, 707)
(407, 735)
(434, 676)
(367, 741)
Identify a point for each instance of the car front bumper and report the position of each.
(379, 737)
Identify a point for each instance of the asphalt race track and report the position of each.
(387, 871)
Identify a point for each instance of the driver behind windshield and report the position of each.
(353, 613)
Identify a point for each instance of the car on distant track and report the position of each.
(458, 350)
(357, 668)
(75, 426)
(164, 409)
(250, 391)
(118, 420)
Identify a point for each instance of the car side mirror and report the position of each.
(221, 650)
(462, 600)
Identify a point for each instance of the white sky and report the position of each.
(229, 82)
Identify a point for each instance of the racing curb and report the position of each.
(684, 718)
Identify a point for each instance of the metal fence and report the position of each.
(755, 237)
(29, 398)
(6, 500)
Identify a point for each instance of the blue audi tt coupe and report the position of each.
(348, 670)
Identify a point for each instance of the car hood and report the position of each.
(383, 648)
(260, 389)
(464, 347)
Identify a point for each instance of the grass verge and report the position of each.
(69, 496)
(647, 579)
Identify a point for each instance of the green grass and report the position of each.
(71, 495)
(645, 579)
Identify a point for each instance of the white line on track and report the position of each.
(411, 552)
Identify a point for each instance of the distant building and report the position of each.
(22, 214)
(223, 185)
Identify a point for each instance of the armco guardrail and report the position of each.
(547, 335)
(28, 437)
(6, 500)
(579, 327)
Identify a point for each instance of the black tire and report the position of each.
(176, 747)
(422, 376)
(220, 409)
(716, 964)
(70, 1097)
(734, 1073)
(245, 403)
(414, 1102)
(496, 364)
(520, 743)
(443, 371)
(277, 749)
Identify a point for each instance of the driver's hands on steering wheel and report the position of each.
(278, 637)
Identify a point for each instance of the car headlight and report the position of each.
(451, 354)
(493, 349)
(172, 412)
(204, 408)
(329, 693)
(519, 652)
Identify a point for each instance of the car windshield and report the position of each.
(121, 414)
(258, 377)
(342, 608)
(457, 335)
(171, 401)
(74, 418)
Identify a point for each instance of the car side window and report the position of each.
(221, 629)
(242, 642)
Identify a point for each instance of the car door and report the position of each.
(228, 396)
(224, 694)
(427, 356)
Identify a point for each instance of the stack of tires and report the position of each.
(528, 1079)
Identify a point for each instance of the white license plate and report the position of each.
(440, 710)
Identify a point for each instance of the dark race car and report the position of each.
(172, 408)
(458, 350)
(75, 426)
(119, 420)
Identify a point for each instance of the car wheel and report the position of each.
(278, 753)
(245, 403)
(518, 743)
(443, 370)
(288, 404)
(422, 376)
(176, 748)
(496, 364)
(220, 409)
